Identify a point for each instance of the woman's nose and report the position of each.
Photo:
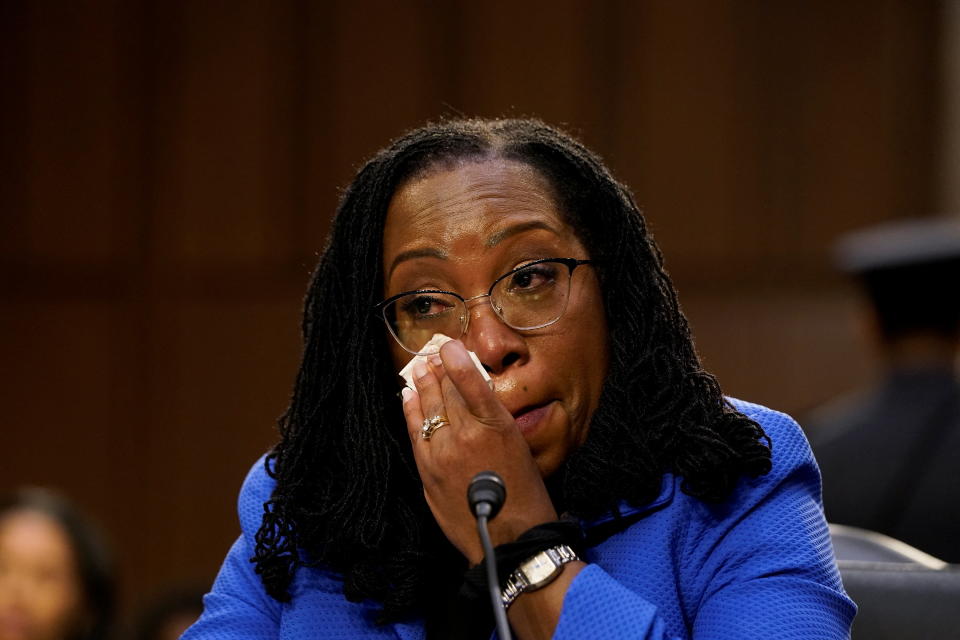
(497, 345)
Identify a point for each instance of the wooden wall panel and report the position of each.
(838, 75)
(379, 91)
(222, 187)
(532, 58)
(757, 134)
(759, 344)
(69, 363)
(369, 72)
(677, 122)
(78, 159)
(221, 378)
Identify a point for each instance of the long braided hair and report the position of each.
(348, 495)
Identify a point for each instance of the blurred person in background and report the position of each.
(56, 577)
(889, 453)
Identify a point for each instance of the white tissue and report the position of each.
(432, 347)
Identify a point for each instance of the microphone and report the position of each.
(486, 495)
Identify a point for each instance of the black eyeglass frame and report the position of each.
(569, 263)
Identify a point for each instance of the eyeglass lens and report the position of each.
(529, 298)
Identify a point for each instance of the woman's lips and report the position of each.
(529, 418)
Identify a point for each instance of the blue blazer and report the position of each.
(759, 565)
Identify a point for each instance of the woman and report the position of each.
(56, 580)
(684, 524)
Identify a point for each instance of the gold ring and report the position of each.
(432, 424)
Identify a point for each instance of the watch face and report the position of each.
(539, 568)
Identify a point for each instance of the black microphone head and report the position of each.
(487, 487)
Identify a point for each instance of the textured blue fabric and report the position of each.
(760, 565)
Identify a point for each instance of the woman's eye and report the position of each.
(532, 277)
(424, 306)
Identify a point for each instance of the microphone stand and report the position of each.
(493, 581)
(486, 495)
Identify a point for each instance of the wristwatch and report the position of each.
(536, 572)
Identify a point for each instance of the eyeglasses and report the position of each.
(529, 297)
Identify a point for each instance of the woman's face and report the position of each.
(460, 229)
(40, 596)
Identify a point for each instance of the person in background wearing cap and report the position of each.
(889, 454)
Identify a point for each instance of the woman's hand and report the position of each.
(481, 436)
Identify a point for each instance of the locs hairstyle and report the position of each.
(348, 495)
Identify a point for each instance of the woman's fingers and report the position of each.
(412, 413)
(468, 397)
(427, 403)
(480, 435)
(479, 399)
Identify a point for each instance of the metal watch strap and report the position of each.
(519, 582)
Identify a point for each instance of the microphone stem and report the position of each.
(493, 582)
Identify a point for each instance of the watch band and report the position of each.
(537, 572)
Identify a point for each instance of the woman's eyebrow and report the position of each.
(503, 234)
(426, 252)
(492, 241)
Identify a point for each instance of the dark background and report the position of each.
(168, 169)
